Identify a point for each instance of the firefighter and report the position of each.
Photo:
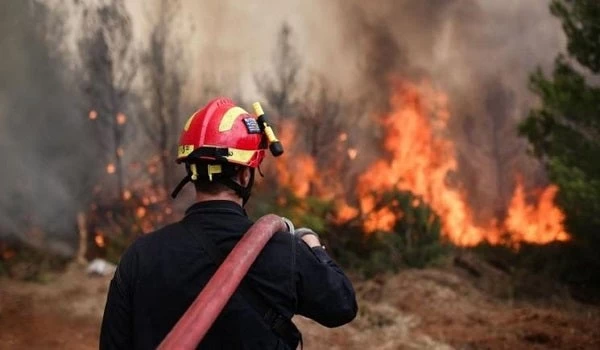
(161, 273)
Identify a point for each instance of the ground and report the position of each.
(414, 309)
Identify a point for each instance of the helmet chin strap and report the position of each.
(241, 191)
(180, 185)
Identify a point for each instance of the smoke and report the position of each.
(44, 152)
(479, 52)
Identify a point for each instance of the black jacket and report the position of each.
(161, 273)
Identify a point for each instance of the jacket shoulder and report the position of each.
(157, 236)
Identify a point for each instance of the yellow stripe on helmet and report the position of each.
(189, 122)
(184, 150)
(240, 156)
(229, 117)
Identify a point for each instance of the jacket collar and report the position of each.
(216, 206)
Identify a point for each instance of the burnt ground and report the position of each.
(415, 309)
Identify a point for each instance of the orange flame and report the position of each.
(352, 153)
(541, 223)
(140, 212)
(99, 239)
(93, 115)
(110, 168)
(345, 212)
(121, 118)
(7, 253)
(421, 160)
(299, 172)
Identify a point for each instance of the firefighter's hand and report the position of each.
(309, 236)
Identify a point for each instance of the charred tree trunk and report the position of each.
(108, 68)
(165, 82)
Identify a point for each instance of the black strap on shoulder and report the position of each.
(282, 326)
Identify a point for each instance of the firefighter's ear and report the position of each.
(244, 176)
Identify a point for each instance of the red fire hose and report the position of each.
(199, 317)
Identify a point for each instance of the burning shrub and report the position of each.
(413, 241)
(310, 211)
(415, 237)
(114, 224)
(21, 261)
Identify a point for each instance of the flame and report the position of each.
(381, 219)
(140, 212)
(99, 239)
(345, 212)
(6, 253)
(93, 115)
(352, 153)
(541, 223)
(121, 118)
(297, 173)
(420, 160)
(143, 200)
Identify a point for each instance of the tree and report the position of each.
(321, 118)
(280, 89)
(565, 130)
(108, 68)
(323, 123)
(163, 68)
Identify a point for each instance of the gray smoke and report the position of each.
(479, 52)
(45, 152)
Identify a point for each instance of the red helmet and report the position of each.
(217, 140)
(222, 132)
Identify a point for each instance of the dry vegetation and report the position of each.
(414, 309)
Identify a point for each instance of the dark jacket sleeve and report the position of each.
(117, 325)
(324, 292)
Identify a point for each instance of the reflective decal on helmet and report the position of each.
(240, 156)
(229, 117)
(189, 122)
(184, 150)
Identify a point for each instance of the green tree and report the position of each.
(565, 130)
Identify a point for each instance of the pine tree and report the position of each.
(565, 130)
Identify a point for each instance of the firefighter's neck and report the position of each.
(221, 196)
(242, 178)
